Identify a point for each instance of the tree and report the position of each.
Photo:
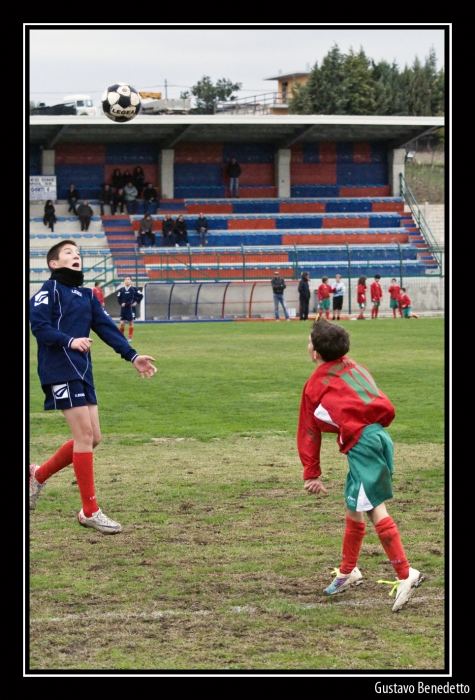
(208, 95)
(325, 91)
(360, 88)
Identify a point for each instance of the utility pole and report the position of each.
(166, 93)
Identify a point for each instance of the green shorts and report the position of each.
(376, 303)
(325, 304)
(362, 305)
(406, 312)
(393, 304)
(370, 461)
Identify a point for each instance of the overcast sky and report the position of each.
(70, 58)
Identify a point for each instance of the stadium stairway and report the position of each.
(123, 246)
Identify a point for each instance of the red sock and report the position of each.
(84, 470)
(121, 330)
(327, 315)
(376, 311)
(62, 458)
(352, 539)
(390, 539)
(131, 332)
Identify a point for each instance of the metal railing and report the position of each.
(419, 218)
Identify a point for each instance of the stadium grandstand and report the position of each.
(323, 194)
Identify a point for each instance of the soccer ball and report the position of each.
(121, 102)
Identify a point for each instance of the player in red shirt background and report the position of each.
(394, 290)
(99, 293)
(376, 296)
(341, 397)
(361, 297)
(406, 305)
(323, 296)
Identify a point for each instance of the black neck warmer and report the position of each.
(70, 278)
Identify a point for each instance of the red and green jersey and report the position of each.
(394, 290)
(361, 298)
(376, 291)
(340, 397)
(404, 301)
(324, 291)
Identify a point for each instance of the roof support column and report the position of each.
(396, 159)
(47, 162)
(282, 172)
(167, 159)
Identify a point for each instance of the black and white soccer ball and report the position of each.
(121, 102)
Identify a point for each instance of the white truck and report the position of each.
(81, 105)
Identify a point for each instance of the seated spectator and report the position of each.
(150, 196)
(126, 178)
(85, 214)
(118, 201)
(181, 231)
(49, 217)
(168, 230)
(116, 179)
(130, 192)
(105, 197)
(139, 180)
(146, 229)
(72, 197)
(201, 227)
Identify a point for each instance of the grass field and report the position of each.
(223, 556)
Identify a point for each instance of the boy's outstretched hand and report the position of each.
(142, 365)
(314, 486)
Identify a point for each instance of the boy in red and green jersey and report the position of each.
(376, 296)
(342, 397)
(394, 290)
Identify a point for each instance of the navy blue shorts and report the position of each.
(127, 313)
(68, 395)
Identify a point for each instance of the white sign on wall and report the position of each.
(42, 187)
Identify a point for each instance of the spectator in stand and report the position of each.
(338, 291)
(146, 229)
(49, 217)
(394, 290)
(105, 197)
(361, 297)
(72, 197)
(139, 180)
(151, 202)
(116, 179)
(130, 192)
(201, 227)
(97, 291)
(168, 230)
(181, 231)
(126, 178)
(233, 170)
(406, 305)
(323, 296)
(376, 296)
(85, 213)
(304, 296)
(118, 201)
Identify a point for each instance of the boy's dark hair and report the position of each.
(329, 340)
(324, 279)
(53, 253)
(377, 277)
(403, 289)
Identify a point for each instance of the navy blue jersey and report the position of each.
(128, 296)
(58, 314)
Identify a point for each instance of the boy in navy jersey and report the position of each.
(341, 397)
(128, 297)
(62, 315)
